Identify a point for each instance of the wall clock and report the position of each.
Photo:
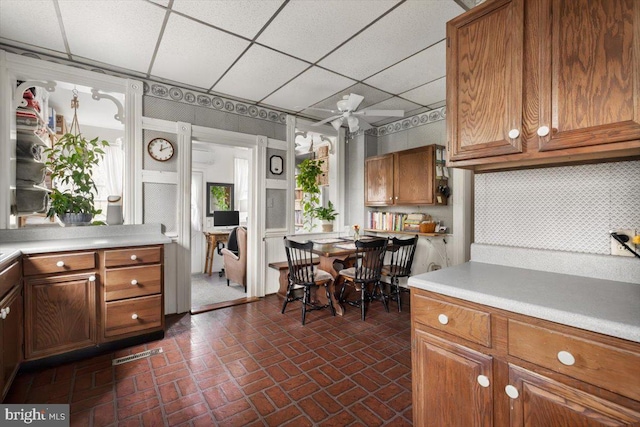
(160, 149)
(276, 165)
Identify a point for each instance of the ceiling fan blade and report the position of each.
(380, 113)
(364, 125)
(327, 120)
(353, 101)
(337, 123)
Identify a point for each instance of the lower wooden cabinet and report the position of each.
(446, 376)
(11, 321)
(530, 373)
(60, 314)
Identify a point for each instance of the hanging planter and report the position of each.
(72, 160)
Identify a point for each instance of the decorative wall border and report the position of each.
(193, 97)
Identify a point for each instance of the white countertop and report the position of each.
(604, 306)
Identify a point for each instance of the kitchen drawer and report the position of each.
(129, 282)
(133, 315)
(9, 277)
(58, 263)
(603, 365)
(467, 323)
(132, 256)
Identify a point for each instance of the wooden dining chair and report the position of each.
(365, 274)
(401, 252)
(304, 275)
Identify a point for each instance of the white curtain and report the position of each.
(196, 203)
(114, 168)
(241, 186)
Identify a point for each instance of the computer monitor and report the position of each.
(226, 218)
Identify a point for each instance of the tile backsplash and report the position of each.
(568, 208)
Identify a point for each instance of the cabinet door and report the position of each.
(446, 389)
(10, 338)
(545, 402)
(414, 176)
(590, 73)
(378, 185)
(484, 80)
(60, 314)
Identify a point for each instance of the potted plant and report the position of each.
(307, 181)
(327, 215)
(72, 160)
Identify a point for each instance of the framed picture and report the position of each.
(219, 197)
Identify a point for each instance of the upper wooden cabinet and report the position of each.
(543, 82)
(405, 177)
(484, 81)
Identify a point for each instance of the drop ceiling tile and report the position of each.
(194, 53)
(438, 104)
(429, 93)
(416, 70)
(388, 40)
(394, 103)
(310, 87)
(259, 72)
(127, 41)
(243, 17)
(311, 29)
(17, 23)
(371, 96)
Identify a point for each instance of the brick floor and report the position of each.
(246, 365)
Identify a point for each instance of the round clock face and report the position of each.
(160, 149)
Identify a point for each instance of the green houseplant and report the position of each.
(72, 160)
(307, 181)
(221, 196)
(327, 215)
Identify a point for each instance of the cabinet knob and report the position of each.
(92, 278)
(543, 131)
(514, 133)
(7, 310)
(60, 263)
(566, 358)
(390, 198)
(511, 391)
(443, 319)
(483, 380)
(134, 282)
(3, 314)
(134, 316)
(133, 257)
(396, 197)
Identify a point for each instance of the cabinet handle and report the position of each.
(3, 314)
(514, 133)
(134, 282)
(566, 358)
(483, 380)
(543, 131)
(133, 257)
(511, 391)
(60, 263)
(134, 316)
(443, 319)
(92, 278)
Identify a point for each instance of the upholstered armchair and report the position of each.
(235, 262)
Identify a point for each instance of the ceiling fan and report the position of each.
(314, 141)
(347, 111)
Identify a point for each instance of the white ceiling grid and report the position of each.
(282, 54)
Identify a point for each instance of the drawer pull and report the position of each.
(60, 263)
(134, 316)
(566, 358)
(543, 131)
(514, 133)
(92, 278)
(133, 257)
(134, 282)
(511, 391)
(443, 319)
(483, 380)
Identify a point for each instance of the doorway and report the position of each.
(220, 195)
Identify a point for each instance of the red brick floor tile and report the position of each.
(248, 366)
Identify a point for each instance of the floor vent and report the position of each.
(137, 356)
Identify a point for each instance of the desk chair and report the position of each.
(402, 251)
(303, 274)
(365, 273)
